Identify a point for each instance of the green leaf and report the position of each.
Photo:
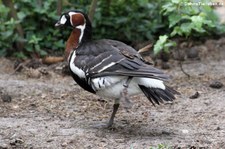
(160, 44)
(168, 8)
(20, 55)
(29, 48)
(121, 20)
(176, 1)
(11, 22)
(143, 2)
(163, 44)
(21, 15)
(170, 44)
(174, 19)
(185, 28)
(163, 38)
(37, 47)
(176, 31)
(43, 53)
(3, 52)
(7, 34)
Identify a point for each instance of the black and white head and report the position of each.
(76, 19)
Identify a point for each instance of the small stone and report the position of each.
(33, 105)
(193, 53)
(165, 65)
(179, 55)
(165, 132)
(15, 106)
(196, 95)
(64, 144)
(216, 84)
(3, 146)
(50, 140)
(43, 96)
(19, 141)
(16, 142)
(119, 140)
(218, 128)
(185, 131)
(44, 71)
(6, 98)
(33, 73)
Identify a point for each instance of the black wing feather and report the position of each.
(121, 59)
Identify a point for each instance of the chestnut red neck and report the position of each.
(72, 42)
(82, 31)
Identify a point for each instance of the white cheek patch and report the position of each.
(63, 20)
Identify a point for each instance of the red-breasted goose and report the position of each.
(110, 68)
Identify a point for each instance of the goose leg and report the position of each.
(124, 94)
(111, 120)
(115, 108)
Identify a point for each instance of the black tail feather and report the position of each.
(163, 95)
(148, 95)
(157, 95)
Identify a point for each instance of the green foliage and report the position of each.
(6, 30)
(161, 146)
(127, 20)
(37, 20)
(130, 21)
(163, 44)
(188, 20)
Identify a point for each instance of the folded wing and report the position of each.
(113, 58)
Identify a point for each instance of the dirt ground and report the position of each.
(49, 110)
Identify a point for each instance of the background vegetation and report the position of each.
(27, 26)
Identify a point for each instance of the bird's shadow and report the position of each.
(137, 130)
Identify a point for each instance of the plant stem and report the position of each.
(92, 10)
(19, 29)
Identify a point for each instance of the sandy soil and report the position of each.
(51, 111)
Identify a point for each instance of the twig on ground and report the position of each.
(181, 66)
(52, 60)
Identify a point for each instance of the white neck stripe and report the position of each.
(71, 14)
(81, 27)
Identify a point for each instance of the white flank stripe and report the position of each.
(74, 68)
(103, 82)
(107, 66)
(101, 62)
(148, 82)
